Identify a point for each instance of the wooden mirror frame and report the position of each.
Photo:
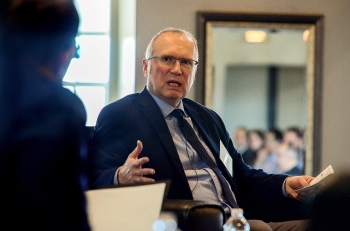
(313, 153)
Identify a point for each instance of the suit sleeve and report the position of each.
(111, 146)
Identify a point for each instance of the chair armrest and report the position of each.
(196, 215)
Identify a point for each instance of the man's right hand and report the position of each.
(132, 171)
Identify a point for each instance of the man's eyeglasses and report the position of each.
(170, 61)
(77, 51)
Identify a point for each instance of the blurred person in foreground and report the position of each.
(331, 204)
(179, 139)
(43, 146)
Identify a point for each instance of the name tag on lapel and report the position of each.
(225, 157)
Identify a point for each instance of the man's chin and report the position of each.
(175, 96)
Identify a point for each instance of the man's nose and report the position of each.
(176, 67)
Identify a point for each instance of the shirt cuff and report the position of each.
(115, 179)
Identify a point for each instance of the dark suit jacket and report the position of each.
(43, 156)
(138, 117)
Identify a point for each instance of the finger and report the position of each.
(141, 162)
(147, 171)
(146, 180)
(305, 180)
(308, 180)
(141, 179)
(137, 150)
(296, 182)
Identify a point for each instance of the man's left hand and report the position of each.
(295, 183)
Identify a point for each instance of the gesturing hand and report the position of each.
(132, 171)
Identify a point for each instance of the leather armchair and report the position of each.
(196, 215)
(201, 216)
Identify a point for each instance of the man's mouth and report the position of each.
(174, 84)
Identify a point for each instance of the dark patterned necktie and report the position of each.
(192, 138)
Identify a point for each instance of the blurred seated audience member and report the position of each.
(256, 142)
(295, 137)
(256, 139)
(261, 156)
(268, 163)
(287, 160)
(241, 143)
(43, 154)
(241, 139)
(331, 205)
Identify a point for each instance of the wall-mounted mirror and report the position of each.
(274, 82)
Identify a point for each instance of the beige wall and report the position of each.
(154, 15)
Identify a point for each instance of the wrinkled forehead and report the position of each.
(173, 35)
(176, 41)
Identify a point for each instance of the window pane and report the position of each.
(93, 64)
(94, 100)
(95, 15)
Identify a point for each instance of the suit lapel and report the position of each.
(151, 111)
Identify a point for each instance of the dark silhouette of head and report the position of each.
(39, 30)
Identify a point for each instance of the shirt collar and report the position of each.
(166, 108)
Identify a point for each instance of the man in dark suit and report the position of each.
(168, 151)
(43, 146)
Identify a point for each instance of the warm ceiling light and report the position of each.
(255, 36)
(306, 35)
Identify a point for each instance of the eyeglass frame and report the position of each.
(195, 63)
(77, 51)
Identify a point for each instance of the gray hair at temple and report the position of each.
(149, 50)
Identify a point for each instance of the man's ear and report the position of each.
(145, 67)
(195, 70)
(193, 73)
